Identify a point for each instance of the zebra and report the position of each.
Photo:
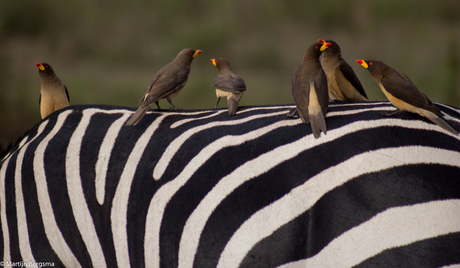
(198, 188)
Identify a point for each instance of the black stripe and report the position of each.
(350, 205)
(429, 253)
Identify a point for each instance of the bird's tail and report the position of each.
(316, 115)
(137, 116)
(439, 121)
(232, 106)
(317, 122)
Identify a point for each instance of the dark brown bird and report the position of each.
(343, 84)
(228, 84)
(309, 88)
(167, 83)
(53, 93)
(403, 94)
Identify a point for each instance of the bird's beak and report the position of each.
(321, 41)
(198, 52)
(325, 45)
(363, 63)
(40, 67)
(213, 62)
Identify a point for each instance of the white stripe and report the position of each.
(52, 231)
(23, 230)
(300, 199)
(80, 208)
(218, 112)
(392, 228)
(165, 193)
(177, 143)
(264, 163)
(184, 121)
(452, 266)
(364, 103)
(357, 111)
(3, 218)
(119, 210)
(105, 152)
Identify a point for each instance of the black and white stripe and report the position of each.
(202, 189)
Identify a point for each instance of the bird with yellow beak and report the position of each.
(403, 94)
(166, 84)
(228, 84)
(53, 93)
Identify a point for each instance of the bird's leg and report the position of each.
(158, 105)
(170, 102)
(217, 103)
(393, 114)
(292, 114)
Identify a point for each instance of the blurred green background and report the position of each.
(106, 52)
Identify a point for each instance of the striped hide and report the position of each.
(203, 189)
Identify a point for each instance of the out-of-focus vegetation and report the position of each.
(106, 52)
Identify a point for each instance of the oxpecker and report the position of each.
(166, 84)
(228, 84)
(403, 94)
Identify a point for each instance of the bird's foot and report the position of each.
(292, 114)
(393, 114)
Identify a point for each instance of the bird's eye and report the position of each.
(190, 53)
(46, 65)
(217, 61)
(370, 63)
(316, 47)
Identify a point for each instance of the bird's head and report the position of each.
(329, 47)
(44, 69)
(375, 67)
(314, 51)
(221, 64)
(371, 65)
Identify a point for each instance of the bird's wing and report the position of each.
(230, 83)
(301, 94)
(350, 75)
(401, 87)
(166, 81)
(322, 90)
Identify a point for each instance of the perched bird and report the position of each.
(403, 94)
(167, 83)
(309, 88)
(343, 84)
(228, 84)
(53, 93)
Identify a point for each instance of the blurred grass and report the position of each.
(106, 52)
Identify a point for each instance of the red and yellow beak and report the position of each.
(40, 67)
(363, 63)
(213, 61)
(325, 44)
(198, 52)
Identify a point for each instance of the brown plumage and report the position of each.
(309, 88)
(167, 83)
(228, 84)
(53, 93)
(343, 84)
(402, 93)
